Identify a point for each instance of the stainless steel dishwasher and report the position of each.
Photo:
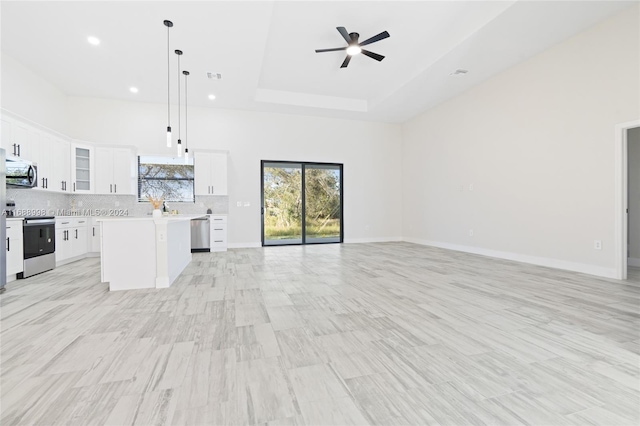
(200, 234)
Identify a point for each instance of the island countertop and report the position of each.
(168, 218)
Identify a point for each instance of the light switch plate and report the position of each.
(239, 204)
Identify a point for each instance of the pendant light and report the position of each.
(186, 122)
(168, 24)
(179, 53)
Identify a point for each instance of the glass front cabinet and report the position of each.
(82, 169)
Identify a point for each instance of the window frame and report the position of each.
(192, 179)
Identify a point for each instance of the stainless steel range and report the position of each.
(39, 235)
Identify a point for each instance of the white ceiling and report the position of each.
(265, 50)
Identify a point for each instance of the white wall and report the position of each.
(31, 96)
(537, 143)
(633, 139)
(370, 153)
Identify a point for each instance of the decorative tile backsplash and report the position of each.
(31, 202)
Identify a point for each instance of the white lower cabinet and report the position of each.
(14, 247)
(218, 232)
(71, 238)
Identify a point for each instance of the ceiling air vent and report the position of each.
(214, 75)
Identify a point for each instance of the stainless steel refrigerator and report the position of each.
(3, 219)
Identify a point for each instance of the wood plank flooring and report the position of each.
(385, 334)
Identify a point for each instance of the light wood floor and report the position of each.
(389, 333)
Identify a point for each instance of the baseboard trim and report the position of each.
(346, 241)
(533, 260)
(634, 262)
(372, 240)
(244, 245)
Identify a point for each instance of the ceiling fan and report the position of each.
(354, 47)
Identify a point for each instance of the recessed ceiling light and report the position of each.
(133, 89)
(93, 40)
(212, 97)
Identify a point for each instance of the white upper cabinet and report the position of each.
(82, 163)
(6, 127)
(50, 153)
(61, 165)
(115, 171)
(17, 139)
(210, 173)
(46, 165)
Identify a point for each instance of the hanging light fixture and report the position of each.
(186, 122)
(168, 24)
(179, 53)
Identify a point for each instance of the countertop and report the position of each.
(168, 218)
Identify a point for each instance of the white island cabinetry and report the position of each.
(144, 252)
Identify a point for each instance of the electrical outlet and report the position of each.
(471, 232)
(597, 244)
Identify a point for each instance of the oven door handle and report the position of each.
(33, 222)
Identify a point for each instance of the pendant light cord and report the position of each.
(186, 124)
(178, 96)
(168, 80)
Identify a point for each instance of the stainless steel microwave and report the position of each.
(21, 173)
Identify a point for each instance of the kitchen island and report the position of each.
(144, 252)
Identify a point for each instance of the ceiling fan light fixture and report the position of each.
(353, 50)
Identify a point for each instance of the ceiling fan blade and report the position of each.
(346, 61)
(373, 55)
(330, 50)
(375, 38)
(345, 34)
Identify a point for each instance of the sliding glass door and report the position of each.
(301, 203)
(281, 203)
